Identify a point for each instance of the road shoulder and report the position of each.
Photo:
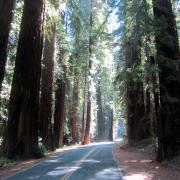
(141, 166)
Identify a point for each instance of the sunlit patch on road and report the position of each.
(34, 177)
(135, 177)
(51, 161)
(91, 161)
(62, 170)
(110, 173)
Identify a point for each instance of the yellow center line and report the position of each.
(78, 164)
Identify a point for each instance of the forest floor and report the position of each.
(137, 163)
(21, 165)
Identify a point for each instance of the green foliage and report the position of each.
(51, 15)
(42, 151)
(5, 163)
(12, 47)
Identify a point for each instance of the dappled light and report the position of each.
(131, 161)
(62, 170)
(110, 173)
(99, 143)
(141, 161)
(135, 177)
(54, 160)
(79, 78)
(34, 177)
(67, 148)
(91, 161)
(146, 161)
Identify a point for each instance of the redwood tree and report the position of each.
(88, 120)
(110, 124)
(138, 125)
(84, 106)
(60, 89)
(22, 134)
(46, 130)
(88, 116)
(167, 46)
(74, 109)
(100, 116)
(60, 102)
(6, 12)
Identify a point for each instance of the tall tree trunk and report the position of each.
(156, 97)
(138, 126)
(151, 78)
(150, 81)
(100, 116)
(88, 118)
(167, 46)
(74, 110)
(84, 107)
(22, 134)
(6, 11)
(46, 131)
(110, 133)
(60, 101)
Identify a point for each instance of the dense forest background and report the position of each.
(77, 71)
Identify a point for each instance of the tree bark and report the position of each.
(100, 116)
(22, 134)
(152, 87)
(84, 107)
(167, 46)
(74, 110)
(138, 125)
(60, 102)
(46, 131)
(88, 118)
(6, 12)
(110, 133)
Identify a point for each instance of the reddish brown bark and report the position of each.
(110, 124)
(46, 131)
(74, 110)
(88, 118)
(100, 116)
(84, 107)
(22, 134)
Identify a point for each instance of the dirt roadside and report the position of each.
(141, 166)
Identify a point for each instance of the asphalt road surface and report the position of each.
(92, 162)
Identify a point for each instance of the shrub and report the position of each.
(42, 151)
(4, 162)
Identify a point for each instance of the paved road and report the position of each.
(93, 162)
